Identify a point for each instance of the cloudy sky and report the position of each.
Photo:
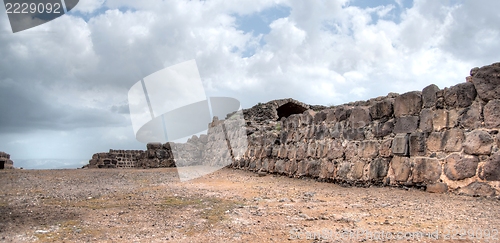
(64, 84)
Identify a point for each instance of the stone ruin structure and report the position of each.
(5, 162)
(436, 139)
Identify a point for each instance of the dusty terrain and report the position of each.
(134, 205)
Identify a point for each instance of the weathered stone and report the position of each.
(357, 169)
(492, 114)
(459, 167)
(368, 149)
(400, 167)
(341, 113)
(417, 144)
(320, 117)
(279, 166)
(360, 117)
(408, 104)
(426, 117)
(330, 116)
(426, 170)
(382, 129)
(313, 168)
(448, 141)
(440, 120)
(343, 170)
(400, 145)
(311, 150)
(327, 169)
(487, 82)
(437, 188)
(460, 95)
(385, 148)
(406, 124)
(335, 150)
(453, 139)
(478, 189)
(435, 142)
(321, 132)
(381, 109)
(491, 169)
(301, 151)
(354, 134)
(351, 150)
(471, 117)
(429, 97)
(478, 142)
(378, 169)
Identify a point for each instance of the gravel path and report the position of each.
(135, 205)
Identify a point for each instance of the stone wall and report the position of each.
(437, 139)
(5, 162)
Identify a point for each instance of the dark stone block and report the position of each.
(417, 144)
(400, 145)
(429, 97)
(359, 117)
(491, 169)
(382, 109)
(408, 104)
(492, 114)
(487, 82)
(461, 95)
(459, 167)
(378, 169)
(426, 170)
(407, 124)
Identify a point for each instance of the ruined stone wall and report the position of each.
(5, 162)
(438, 139)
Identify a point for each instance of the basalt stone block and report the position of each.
(342, 113)
(429, 96)
(478, 142)
(401, 168)
(330, 116)
(311, 150)
(382, 109)
(453, 139)
(426, 116)
(320, 117)
(461, 95)
(336, 150)
(378, 169)
(435, 142)
(406, 124)
(382, 129)
(357, 170)
(313, 168)
(478, 189)
(386, 148)
(408, 104)
(440, 120)
(321, 132)
(279, 166)
(301, 151)
(351, 150)
(492, 114)
(154, 146)
(400, 145)
(360, 117)
(343, 170)
(417, 144)
(437, 188)
(491, 169)
(459, 167)
(487, 82)
(327, 169)
(368, 149)
(471, 117)
(425, 170)
(353, 134)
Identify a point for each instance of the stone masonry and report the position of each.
(5, 162)
(437, 139)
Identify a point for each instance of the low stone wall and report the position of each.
(5, 162)
(437, 139)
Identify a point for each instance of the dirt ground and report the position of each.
(135, 205)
